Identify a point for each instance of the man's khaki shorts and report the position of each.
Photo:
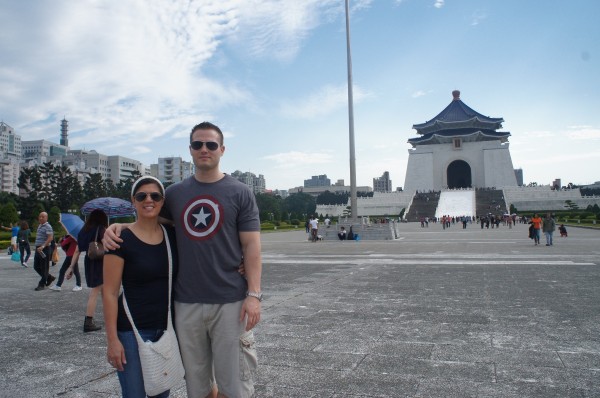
(215, 347)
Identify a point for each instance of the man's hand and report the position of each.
(111, 237)
(250, 309)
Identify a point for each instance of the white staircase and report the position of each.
(456, 203)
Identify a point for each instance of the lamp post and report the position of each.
(353, 199)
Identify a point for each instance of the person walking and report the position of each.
(23, 241)
(92, 230)
(69, 245)
(217, 225)
(41, 259)
(536, 222)
(548, 226)
(314, 228)
(14, 231)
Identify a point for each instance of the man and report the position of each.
(217, 225)
(548, 226)
(314, 228)
(41, 260)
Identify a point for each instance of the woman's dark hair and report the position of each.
(96, 218)
(24, 225)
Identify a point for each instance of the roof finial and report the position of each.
(456, 95)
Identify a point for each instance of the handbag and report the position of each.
(55, 256)
(162, 367)
(95, 249)
(16, 257)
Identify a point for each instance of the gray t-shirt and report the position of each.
(43, 232)
(208, 217)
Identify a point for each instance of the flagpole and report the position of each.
(353, 200)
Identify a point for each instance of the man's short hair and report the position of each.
(207, 126)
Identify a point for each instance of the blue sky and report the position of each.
(132, 77)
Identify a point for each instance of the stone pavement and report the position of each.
(436, 313)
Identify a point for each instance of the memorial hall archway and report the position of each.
(458, 174)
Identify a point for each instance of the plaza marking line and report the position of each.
(266, 260)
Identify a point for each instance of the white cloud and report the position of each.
(327, 100)
(136, 71)
(438, 3)
(419, 93)
(477, 18)
(583, 133)
(295, 159)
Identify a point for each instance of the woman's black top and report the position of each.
(145, 281)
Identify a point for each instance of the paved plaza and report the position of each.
(436, 313)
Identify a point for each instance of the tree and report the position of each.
(94, 187)
(54, 218)
(67, 190)
(269, 207)
(123, 188)
(8, 214)
(299, 205)
(331, 198)
(30, 181)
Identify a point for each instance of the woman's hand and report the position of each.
(115, 354)
(69, 272)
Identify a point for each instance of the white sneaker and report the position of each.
(24, 265)
(77, 288)
(55, 288)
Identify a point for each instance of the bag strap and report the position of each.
(169, 323)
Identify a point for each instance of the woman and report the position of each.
(23, 238)
(93, 230)
(69, 245)
(141, 266)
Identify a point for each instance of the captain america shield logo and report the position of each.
(202, 218)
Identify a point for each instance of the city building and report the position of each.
(172, 169)
(317, 181)
(10, 143)
(519, 176)
(257, 184)
(40, 150)
(383, 183)
(9, 174)
(316, 191)
(121, 168)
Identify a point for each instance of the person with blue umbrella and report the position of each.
(72, 224)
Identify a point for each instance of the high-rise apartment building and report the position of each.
(9, 175)
(172, 169)
(257, 184)
(10, 143)
(383, 183)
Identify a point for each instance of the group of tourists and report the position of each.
(546, 225)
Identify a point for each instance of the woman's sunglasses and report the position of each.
(141, 196)
(210, 145)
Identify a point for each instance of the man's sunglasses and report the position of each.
(210, 145)
(141, 196)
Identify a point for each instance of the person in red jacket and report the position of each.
(69, 245)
